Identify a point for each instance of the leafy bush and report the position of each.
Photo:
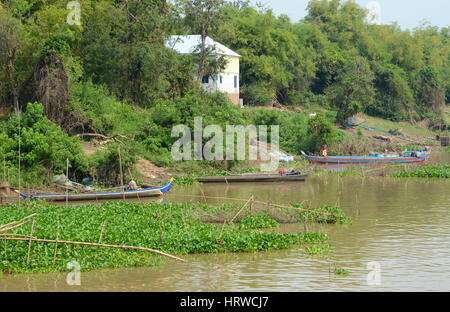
(44, 147)
(320, 130)
(105, 164)
(109, 115)
(257, 95)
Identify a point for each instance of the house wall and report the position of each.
(227, 85)
(232, 64)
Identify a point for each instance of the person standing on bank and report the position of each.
(323, 150)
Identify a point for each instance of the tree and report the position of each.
(394, 98)
(203, 16)
(429, 89)
(11, 44)
(320, 130)
(352, 90)
(123, 47)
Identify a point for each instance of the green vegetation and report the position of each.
(43, 146)
(257, 222)
(318, 250)
(425, 171)
(114, 75)
(341, 271)
(324, 214)
(262, 212)
(171, 228)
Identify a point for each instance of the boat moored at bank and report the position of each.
(408, 156)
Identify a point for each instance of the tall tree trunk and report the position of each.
(14, 92)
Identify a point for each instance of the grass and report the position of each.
(407, 128)
(170, 228)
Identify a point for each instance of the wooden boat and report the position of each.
(409, 156)
(157, 191)
(256, 177)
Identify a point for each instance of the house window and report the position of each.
(220, 78)
(235, 81)
(205, 79)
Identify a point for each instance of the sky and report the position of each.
(407, 13)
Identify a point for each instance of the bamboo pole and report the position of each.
(240, 210)
(67, 182)
(18, 118)
(56, 244)
(256, 201)
(15, 222)
(14, 234)
(95, 245)
(203, 194)
(13, 227)
(28, 197)
(225, 222)
(121, 173)
(29, 244)
(101, 233)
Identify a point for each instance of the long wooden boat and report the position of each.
(257, 177)
(153, 192)
(409, 156)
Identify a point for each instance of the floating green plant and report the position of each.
(324, 214)
(169, 228)
(341, 271)
(318, 249)
(257, 222)
(427, 171)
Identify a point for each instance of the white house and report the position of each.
(226, 81)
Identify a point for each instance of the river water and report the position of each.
(399, 241)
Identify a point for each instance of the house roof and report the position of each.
(188, 45)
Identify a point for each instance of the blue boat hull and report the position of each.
(153, 192)
(365, 159)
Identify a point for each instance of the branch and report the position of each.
(91, 244)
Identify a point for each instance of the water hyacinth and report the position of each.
(428, 171)
(170, 228)
(324, 214)
(258, 222)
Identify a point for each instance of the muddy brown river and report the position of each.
(399, 241)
